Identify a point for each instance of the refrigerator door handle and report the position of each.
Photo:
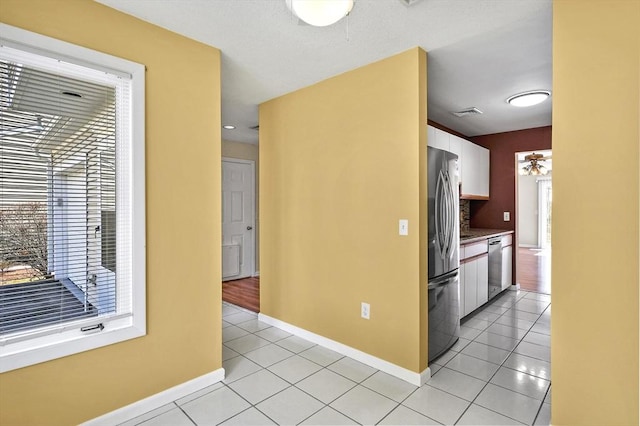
(445, 196)
(449, 211)
(441, 215)
(450, 217)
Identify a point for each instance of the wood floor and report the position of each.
(534, 270)
(534, 274)
(244, 293)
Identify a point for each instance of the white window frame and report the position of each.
(68, 339)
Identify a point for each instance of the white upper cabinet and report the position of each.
(475, 174)
(437, 138)
(473, 162)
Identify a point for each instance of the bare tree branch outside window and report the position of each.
(23, 239)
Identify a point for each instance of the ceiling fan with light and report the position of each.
(534, 165)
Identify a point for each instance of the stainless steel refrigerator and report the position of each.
(444, 240)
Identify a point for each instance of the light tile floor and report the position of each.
(497, 374)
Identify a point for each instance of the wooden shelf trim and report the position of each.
(473, 197)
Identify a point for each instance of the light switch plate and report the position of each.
(507, 216)
(403, 227)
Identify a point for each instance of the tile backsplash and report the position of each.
(465, 214)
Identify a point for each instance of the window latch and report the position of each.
(97, 327)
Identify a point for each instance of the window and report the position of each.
(72, 230)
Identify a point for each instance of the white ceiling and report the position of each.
(479, 52)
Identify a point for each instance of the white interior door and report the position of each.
(238, 218)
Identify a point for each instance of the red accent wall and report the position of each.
(502, 185)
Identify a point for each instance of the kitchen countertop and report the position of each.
(478, 234)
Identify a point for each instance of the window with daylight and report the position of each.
(72, 257)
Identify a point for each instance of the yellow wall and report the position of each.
(340, 165)
(183, 224)
(247, 151)
(595, 213)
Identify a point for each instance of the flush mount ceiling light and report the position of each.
(228, 127)
(320, 13)
(530, 98)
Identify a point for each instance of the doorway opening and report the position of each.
(240, 281)
(534, 196)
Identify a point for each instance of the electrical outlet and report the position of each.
(507, 216)
(403, 227)
(365, 310)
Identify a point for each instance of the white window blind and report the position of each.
(67, 216)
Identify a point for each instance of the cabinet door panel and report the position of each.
(469, 175)
(483, 171)
(455, 146)
(475, 170)
(431, 136)
(442, 140)
(507, 278)
(470, 286)
(482, 278)
(461, 299)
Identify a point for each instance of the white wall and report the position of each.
(528, 210)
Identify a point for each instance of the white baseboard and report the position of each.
(514, 287)
(370, 360)
(528, 245)
(158, 400)
(425, 376)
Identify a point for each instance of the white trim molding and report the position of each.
(425, 376)
(254, 216)
(152, 402)
(416, 379)
(22, 349)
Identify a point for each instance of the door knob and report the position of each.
(249, 228)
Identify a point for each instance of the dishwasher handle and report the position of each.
(495, 241)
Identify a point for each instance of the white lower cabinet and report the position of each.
(482, 280)
(470, 287)
(462, 287)
(507, 271)
(474, 289)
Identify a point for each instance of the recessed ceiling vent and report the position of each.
(467, 111)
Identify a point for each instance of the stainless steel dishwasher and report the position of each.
(495, 266)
